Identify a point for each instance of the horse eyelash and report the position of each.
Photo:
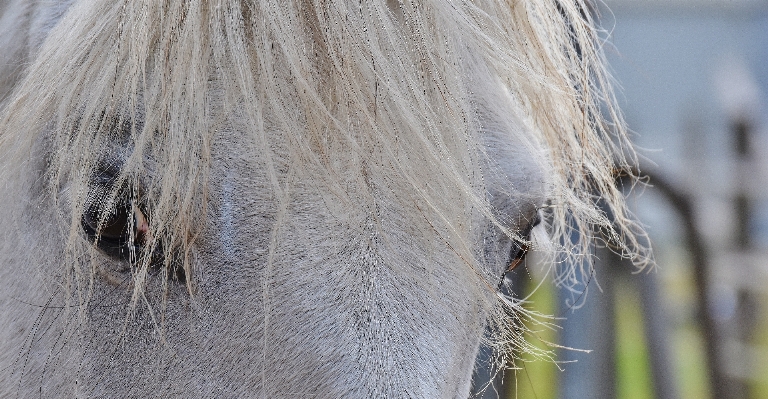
(520, 248)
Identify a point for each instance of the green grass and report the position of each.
(633, 372)
(538, 378)
(690, 367)
(759, 387)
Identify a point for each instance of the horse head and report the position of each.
(287, 198)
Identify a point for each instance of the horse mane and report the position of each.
(308, 80)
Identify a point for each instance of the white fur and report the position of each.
(341, 181)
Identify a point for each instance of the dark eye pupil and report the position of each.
(115, 224)
(122, 232)
(109, 228)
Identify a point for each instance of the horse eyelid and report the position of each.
(518, 258)
(524, 247)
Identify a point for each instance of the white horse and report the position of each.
(293, 198)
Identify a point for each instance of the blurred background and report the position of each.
(692, 79)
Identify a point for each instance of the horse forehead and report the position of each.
(512, 171)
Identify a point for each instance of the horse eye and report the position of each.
(115, 224)
(122, 231)
(517, 256)
(520, 249)
(115, 230)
